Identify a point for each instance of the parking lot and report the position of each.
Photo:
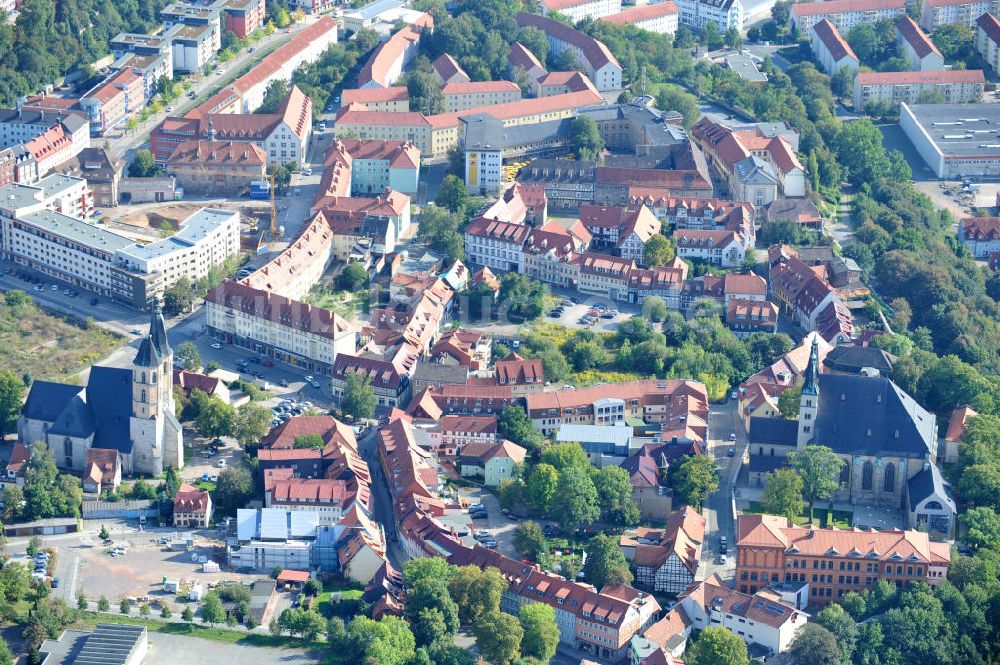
(165, 649)
(600, 317)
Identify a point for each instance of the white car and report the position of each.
(310, 378)
(221, 464)
(216, 345)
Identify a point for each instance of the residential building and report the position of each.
(888, 443)
(100, 169)
(757, 618)
(462, 96)
(745, 317)
(665, 282)
(651, 495)
(353, 167)
(945, 135)
(465, 348)
(804, 293)
(277, 327)
(452, 433)
(831, 49)
(394, 99)
(935, 13)
(43, 137)
(950, 87)
(833, 561)
(577, 10)
(493, 462)
(386, 63)
(216, 167)
(624, 231)
(192, 507)
(244, 16)
(667, 560)
(381, 16)
(650, 400)
(522, 375)
(128, 410)
(329, 498)
(758, 395)
(725, 14)
(980, 234)
(523, 60)
(465, 400)
(917, 47)
(845, 14)
(559, 83)
(495, 244)
(447, 69)
(723, 248)
(390, 382)
(597, 61)
(801, 212)
(987, 40)
(948, 453)
(102, 470)
(188, 381)
(112, 102)
(661, 17)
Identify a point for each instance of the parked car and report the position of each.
(731, 452)
(216, 345)
(315, 384)
(221, 464)
(55, 582)
(284, 383)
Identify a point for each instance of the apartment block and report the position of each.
(661, 17)
(845, 14)
(987, 40)
(577, 10)
(918, 48)
(949, 87)
(935, 13)
(831, 49)
(725, 14)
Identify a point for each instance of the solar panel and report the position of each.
(769, 607)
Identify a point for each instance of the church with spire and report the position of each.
(130, 411)
(887, 441)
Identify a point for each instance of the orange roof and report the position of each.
(281, 55)
(916, 38)
(287, 575)
(749, 284)
(521, 56)
(642, 13)
(478, 87)
(833, 40)
(844, 6)
(446, 67)
(595, 51)
(217, 152)
(956, 426)
(397, 93)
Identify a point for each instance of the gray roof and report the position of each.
(193, 230)
(276, 524)
(851, 358)
(746, 68)
(108, 644)
(871, 416)
(967, 130)
(47, 399)
(73, 122)
(147, 355)
(78, 231)
(774, 431)
(790, 209)
(373, 9)
(766, 463)
(755, 171)
(440, 373)
(928, 482)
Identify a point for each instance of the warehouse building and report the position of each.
(954, 139)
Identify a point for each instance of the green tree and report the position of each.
(843, 628)
(215, 418)
(498, 637)
(178, 299)
(81, 601)
(103, 605)
(144, 165)
(654, 308)
(514, 425)
(819, 467)
(385, 642)
(529, 540)
(250, 423)
(11, 397)
(575, 500)
(524, 298)
(433, 594)
(187, 615)
(614, 491)
(783, 494)
(124, 606)
(309, 441)
(234, 488)
(6, 657)
(212, 611)
(188, 357)
(477, 592)
(659, 251)
(562, 456)
(717, 645)
(585, 138)
(353, 277)
(606, 564)
(452, 194)
(675, 98)
(165, 611)
(983, 525)
(541, 633)
(788, 402)
(359, 398)
(696, 477)
(424, 92)
(815, 645)
(273, 96)
(541, 487)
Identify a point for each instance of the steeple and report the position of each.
(811, 385)
(147, 355)
(158, 331)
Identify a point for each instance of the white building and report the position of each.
(577, 10)
(935, 13)
(483, 169)
(194, 46)
(987, 40)
(660, 17)
(496, 244)
(593, 56)
(270, 538)
(761, 618)
(288, 330)
(947, 136)
(918, 47)
(724, 13)
(950, 87)
(722, 248)
(845, 14)
(831, 49)
(981, 235)
(206, 239)
(379, 17)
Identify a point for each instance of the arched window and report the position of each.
(889, 482)
(867, 473)
(932, 505)
(845, 473)
(142, 397)
(67, 447)
(154, 378)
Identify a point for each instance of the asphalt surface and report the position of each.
(724, 421)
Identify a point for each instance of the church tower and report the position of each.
(809, 402)
(155, 432)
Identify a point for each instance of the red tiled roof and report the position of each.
(187, 380)
(844, 6)
(446, 67)
(752, 312)
(749, 284)
(956, 426)
(931, 78)
(595, 51)
(273, 62)
(990, 25)
(833, 40)
(328, 427)
(642, 13)
(217, 152)
(485, 451)
(18, 456)
(515, 370)
(521, 56)
(981, 228)
(916, 38)
(397, 93)
(278, 309)
(478, 87)
(190, 499)
(287, 575)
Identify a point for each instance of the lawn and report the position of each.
(344, 304)
(837, 518)
(347, 591)
(45, 346)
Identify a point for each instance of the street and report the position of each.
(718, 509)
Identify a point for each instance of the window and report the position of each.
(867, 473)
(68, 448)
(889, 482)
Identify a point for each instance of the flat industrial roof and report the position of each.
(960, 130)
(372, 10)
(16, 195)
(77, 230)
(194, 229)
